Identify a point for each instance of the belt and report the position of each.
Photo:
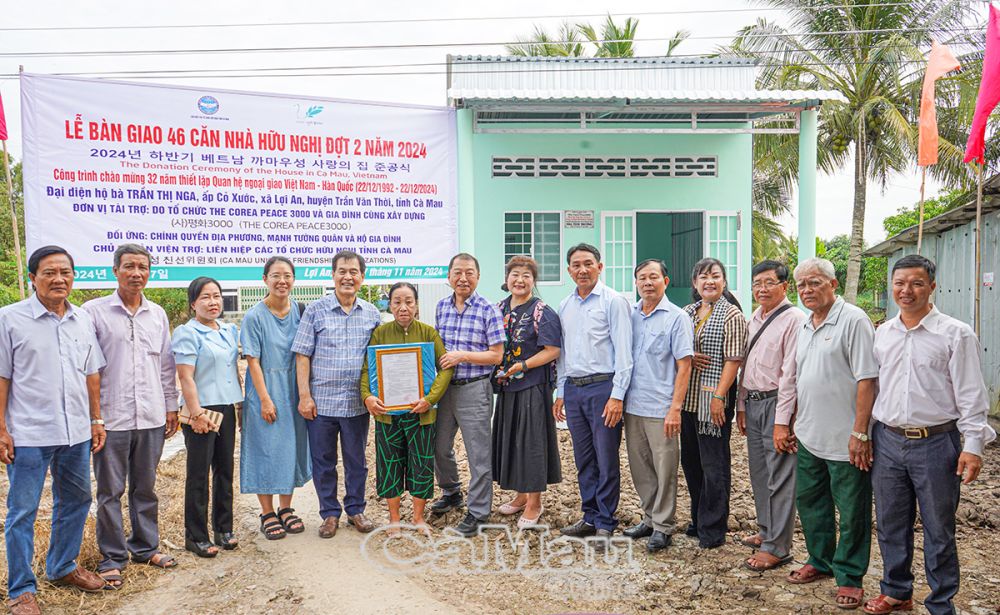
(919, 433)
(585, 380)
(461, 381)
(761, 395)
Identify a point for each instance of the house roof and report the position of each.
(940, 223)
(484, 80)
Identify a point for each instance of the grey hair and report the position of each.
(131, 248)
(824, 267)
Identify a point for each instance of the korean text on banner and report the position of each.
(214, 182)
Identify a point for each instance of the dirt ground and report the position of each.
(354, 574)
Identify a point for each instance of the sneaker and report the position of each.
(446, 503)
(469, 526)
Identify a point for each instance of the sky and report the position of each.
(439, 27)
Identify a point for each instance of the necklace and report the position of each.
(278, 312)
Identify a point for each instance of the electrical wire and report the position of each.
(142, 52)
(444, 19)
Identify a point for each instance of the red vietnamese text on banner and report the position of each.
(3, 122)
(989, 90)
(940, 62)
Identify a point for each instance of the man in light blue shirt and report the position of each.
(663, 347)
(50, 415)
(594, 370)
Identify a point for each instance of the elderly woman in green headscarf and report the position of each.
(404, 443)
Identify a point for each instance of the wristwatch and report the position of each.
(860, 435)
(96, 421)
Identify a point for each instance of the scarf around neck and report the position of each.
(709, 340)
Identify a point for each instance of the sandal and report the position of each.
(159, 559)
(273, 529)
(881, 606)
(290, 521)
(226, 540)
(201, 549)
(761, 567)
(806, 574)
(112, 579)
(754, 541)
(852, 597)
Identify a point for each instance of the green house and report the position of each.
(642, 157)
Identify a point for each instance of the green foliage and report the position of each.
(6, 234)
(905, 217)
(878, 66)
(611, 40)
(174, 303)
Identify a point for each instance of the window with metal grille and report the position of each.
(538, 235)
(724, 244)
(606, 166)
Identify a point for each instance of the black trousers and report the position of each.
(707, 463)
(209, 452)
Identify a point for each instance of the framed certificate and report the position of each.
(400, 374)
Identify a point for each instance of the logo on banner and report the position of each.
(208, 105)
(306, 114)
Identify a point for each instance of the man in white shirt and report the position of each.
(931, 392)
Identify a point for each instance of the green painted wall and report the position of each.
(730, 191)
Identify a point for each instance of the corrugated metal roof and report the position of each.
(648, 95)
(942, 222)
(512, 78)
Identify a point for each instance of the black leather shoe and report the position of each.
(469, 526)
(580, 529)
(638, 531)
(601, 541)
(446, 503)
(658, 541)
(691, 531)
(226, 540)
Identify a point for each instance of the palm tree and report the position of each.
(614, 41)
(566, 43)
(871, 53)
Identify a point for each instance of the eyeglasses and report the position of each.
(280, 277)
(768, 284)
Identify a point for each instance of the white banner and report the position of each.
(214, 182)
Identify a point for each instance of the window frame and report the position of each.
(533, 213)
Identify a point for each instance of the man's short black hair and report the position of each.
(36, 257)
(650, 261)
(780, 270)
(349, 255)
(583, 247)
(463, 256)
(915, 261)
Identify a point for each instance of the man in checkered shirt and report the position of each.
(473, 334)
(330, 347)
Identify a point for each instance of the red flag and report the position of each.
(3, 122)
(940, 62)
(989, 90)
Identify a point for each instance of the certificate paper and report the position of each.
(400, 377)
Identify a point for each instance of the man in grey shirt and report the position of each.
(836, 384)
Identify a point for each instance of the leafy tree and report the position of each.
(905, 217)
(869, 51)
(6, 232)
